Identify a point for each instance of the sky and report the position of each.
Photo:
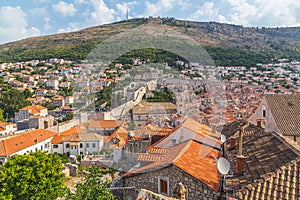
(20, 19)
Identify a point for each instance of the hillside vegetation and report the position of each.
(227, 44)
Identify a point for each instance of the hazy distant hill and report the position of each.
(227, 44)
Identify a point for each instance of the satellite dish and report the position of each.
(132, 134)
(223, 138)
(223, 166)
(263, 124)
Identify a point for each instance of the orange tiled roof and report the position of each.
(149, 157)
(35, 109)
(199, 161)
(11, 145)
(105, 123)
(190, 129)
(194, 158)
(4, 123)
(57, 139)
(121, 134)
(2, 129)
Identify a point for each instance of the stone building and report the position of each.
(264, 165)
(191, 163)
(279, 113)
(155, 111)
(36, 122)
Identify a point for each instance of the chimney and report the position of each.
(232, 144)
(214, 128)
(240, 159)
(258, 122)
(240, 165)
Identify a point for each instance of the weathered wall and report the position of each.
(195, 189)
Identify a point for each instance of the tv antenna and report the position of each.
(127, 13)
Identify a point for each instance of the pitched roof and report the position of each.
(57, 139)
(11, 145)
(121, 134)
(191, 129)
(268, 156)
(105, 123)
(195, 159)
(4, 124)
(35, 109)
(285, 109)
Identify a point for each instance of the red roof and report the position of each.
(196, 159)
(11, 145)
(105, 123)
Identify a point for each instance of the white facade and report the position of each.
(78, 148)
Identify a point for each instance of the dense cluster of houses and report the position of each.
(158, 145)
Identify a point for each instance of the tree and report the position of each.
(32, 176)
(94, 188)
(11, 101)
(1, 116)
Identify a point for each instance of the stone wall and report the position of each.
(195, 189)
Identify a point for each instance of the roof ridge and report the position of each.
(284, 140)
(183, 150)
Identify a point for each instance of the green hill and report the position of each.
(226, 43)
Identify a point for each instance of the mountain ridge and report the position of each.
(273, 42)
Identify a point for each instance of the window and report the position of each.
(94, 145)
(67, 145)
(163, 186)
(87, 145)
(80, 145)
(55, 146)
(41, 148)
(264, 113)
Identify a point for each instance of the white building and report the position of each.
(77, 141)
(34, 110)
(7, 128)
(33, 141)
(53, 84)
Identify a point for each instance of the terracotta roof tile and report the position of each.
(11, 145)
(196, 159)
(190, 129)
(35, 109)
(105, 123)
(4, 123)
(149, 157)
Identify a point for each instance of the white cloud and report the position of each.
(46, 21)
(207, 12)
(269, 13)
(101, 14)
(13, 25)
(161, 6)
(242, 12)
(38, 11)
(81, 1)
(65, 8)
(72, 26)
(123, 7)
